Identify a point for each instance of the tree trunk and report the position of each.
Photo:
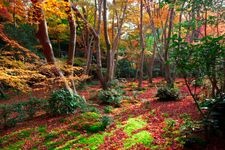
(107, 42)
(167, 43)
(98, 48)
(96, 33)
(151, 64)
(72, 41)
(142, 45)
(42, 35)
(89, 56)
(112, 49)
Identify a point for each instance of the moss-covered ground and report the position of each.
(134, 126)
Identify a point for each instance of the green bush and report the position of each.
(89, 108)
(90, 121)
(215, 114)
(5, 116)
(11, 114)
(111, 96)
(108, 109)
(106, 121)
(167, 93)
(94, 122)
(125, 69)
(79, 61)
(62, 102)
(34, 105)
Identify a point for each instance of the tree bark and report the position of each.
(98, 48)
(111, 49)
(96, 33)
(166, 57)
(42, 34)
(151, 64)
(142, 45)
(72, 41)
(107, 41)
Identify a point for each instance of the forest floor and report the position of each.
(141, 122)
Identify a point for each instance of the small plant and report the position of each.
(106, 121)
(11, 114)
(62, 102)
(214, 120)
(89, 108)
(93, 122)
(108, 109)
(111, 96)
(34, 105)
(4, 96)
(125, 69)
(167, 93)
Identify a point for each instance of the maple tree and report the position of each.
(177, 38)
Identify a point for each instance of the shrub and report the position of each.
(34, 105)
(90, 121)
(115, 84)
(89, 108)
(79, 61)
(108, 109)
(106, 121)
(215, 118)
(11, 114)
(62, 102)
(167, 93)
(5, 113)
(111, 96)
(125, 69)
(93, 122)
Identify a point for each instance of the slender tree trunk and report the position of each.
(72, 41)
(88, 40)
(98, 48)
(111, 49)
(72, 44)
(107, 42)
(96, 33)
(89, 56)
(42, 35)
(142, 45)
(166, 57)
(151, 64)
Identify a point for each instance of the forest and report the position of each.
(112, 74)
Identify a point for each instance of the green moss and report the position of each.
(15, 146)
(42, 129)
(93, 142)
(94, 127)
(50, 136)
(143, 137)
(133, 124)
(90, 116)
(52, 145)
(74, 134)
(69, 143)
(90, 121)
(25, 133)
